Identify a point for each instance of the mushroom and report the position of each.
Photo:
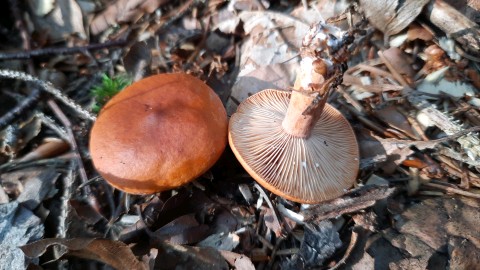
(158, 134)
(294, 144)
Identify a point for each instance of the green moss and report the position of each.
(108, 88)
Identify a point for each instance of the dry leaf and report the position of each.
(395, 15)
(249, 82)
(138, 60)
(463, 254)
(65, 20)
(38, 188)
(182, 230)
(399, 60)
(123, 11)
(49, 148)
(113, 253)
(416, 31)
(221, 241)
(18, 226)
(320, 10)
(394, 118)
(16, 136)
(272, 222)
(240, 261)
(187, 257)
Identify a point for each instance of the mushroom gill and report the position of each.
(306, 170)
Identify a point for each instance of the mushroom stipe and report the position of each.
(305, 170)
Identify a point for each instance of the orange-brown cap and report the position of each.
(306, 170)
(159, 133)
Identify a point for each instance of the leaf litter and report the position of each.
(411, 93)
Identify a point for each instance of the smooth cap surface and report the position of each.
(310, 170)
(159, 133)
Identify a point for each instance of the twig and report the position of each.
(453, 190)
(26, 104)
(49, 88)
(49, 122)
(51, 162)
(421, 145)
(68, 126)
(60, 50)
(64, 207)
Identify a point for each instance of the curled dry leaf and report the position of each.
(113, 253)
(416, 31)
(50, 147)
(396, 15)
(138, 61)
(123, 11)
(65, 20)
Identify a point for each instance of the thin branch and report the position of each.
(73, 143)
(26, 104)
(453, 190)
(60, 50)
(49, 88)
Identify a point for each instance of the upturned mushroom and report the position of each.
(295, 144)
(158, 134)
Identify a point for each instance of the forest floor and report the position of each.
(410, 94)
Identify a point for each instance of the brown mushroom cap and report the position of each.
(306, 170)
(159, 133)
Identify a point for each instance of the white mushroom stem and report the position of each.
(304, 94)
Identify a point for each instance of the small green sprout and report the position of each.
(107, 89)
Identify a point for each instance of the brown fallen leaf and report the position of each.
(416, 31)
(50, 147)
(394, 118)
(113, 253)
